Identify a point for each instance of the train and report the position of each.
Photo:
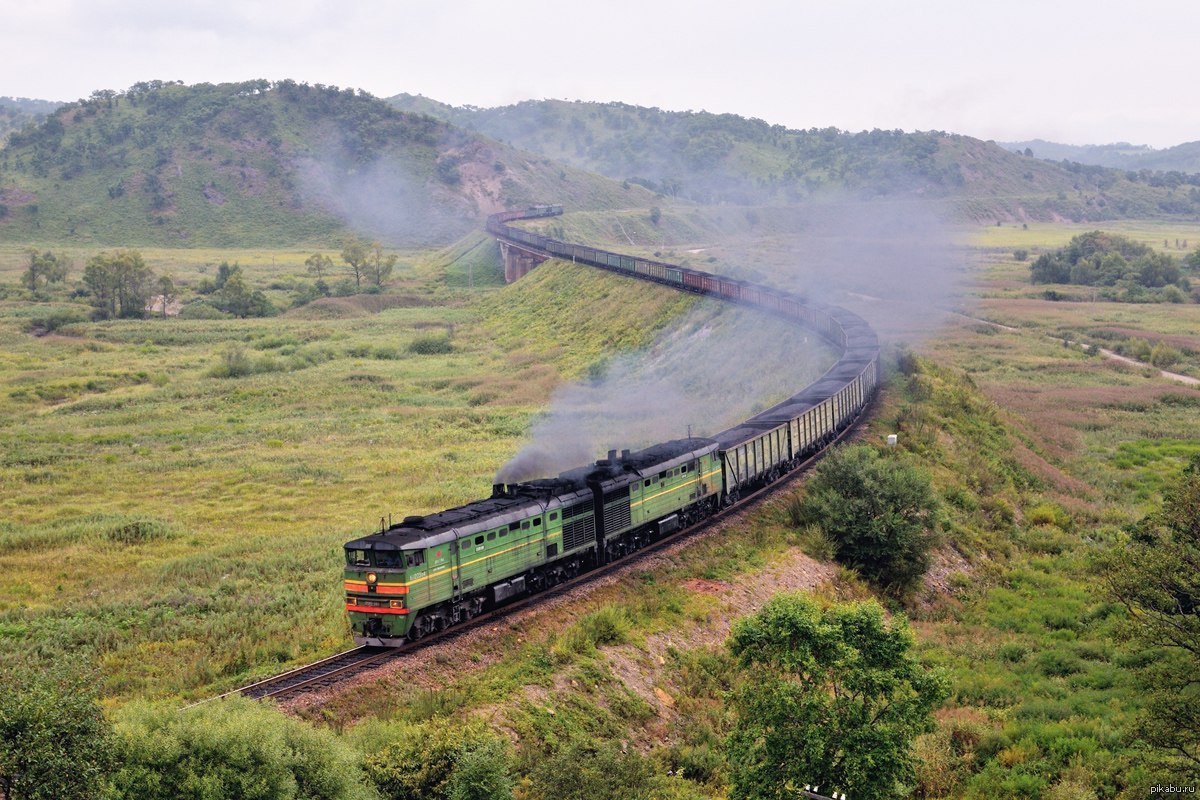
(427, 573)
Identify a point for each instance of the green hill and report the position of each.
(726, 158)
(260, 163)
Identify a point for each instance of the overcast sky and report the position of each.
(1073, 71)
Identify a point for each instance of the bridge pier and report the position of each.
(517, 261)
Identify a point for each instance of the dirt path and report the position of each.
(1108, 354)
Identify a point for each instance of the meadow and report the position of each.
(183, 530)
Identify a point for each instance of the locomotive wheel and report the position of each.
(417, 629)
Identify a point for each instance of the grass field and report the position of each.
(184, 530)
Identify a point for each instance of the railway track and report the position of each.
(348, 664)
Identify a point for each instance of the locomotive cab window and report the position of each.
(358, 558)
(415, 559)
(385, 558)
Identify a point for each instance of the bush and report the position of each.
(590, 771)
(235, 363)
(56, 319)
(436, 760)
(1020, 254)
(202, 309)
(431, 344)
(54, 740)
(879, 512)
(233, 748)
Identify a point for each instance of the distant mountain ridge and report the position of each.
(1180, 158)
(726, 158)
(261, 162)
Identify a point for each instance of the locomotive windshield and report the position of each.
(358, 558)
(389, 558)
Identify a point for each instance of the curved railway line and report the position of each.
(758, 452)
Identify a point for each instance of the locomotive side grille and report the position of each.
(576, 510)
(616, 510)
(578, 532)
(616, 516)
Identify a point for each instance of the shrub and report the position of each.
(1163, 355)
(431, 344)
(56, 319)
(596, 772)
(54, 739)
(235, 363)
(436, 760)
(202, 309)
(879, 512)
(234, 748)
(139, 530)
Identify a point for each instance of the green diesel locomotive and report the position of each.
(427, 573)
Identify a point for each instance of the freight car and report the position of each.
(426, 573)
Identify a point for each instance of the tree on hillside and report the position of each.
(880, 513)
(829, 697)
(379, 267)
(44, 269)
(319, 264)
(354, 253)
(55, 742)
(1156, 576)
(118, 283)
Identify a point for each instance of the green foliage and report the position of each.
(1156, 577)
(232, 748)
(879, 512)
(119, 284)
(55, 743)
(355, 254)
(431, 345)
(482, 773)
(830, 696)
(235, 362)
(319, 264)
(436, 760)
(378, 267)
(1103, 259)
(56, 319)
(588, 770)
(1020, 254)
(45, 268)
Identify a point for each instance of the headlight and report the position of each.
(372, 577)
